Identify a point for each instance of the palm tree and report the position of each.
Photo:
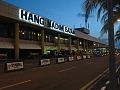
(117, 35)
(101, 5)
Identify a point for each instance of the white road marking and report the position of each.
(118, 68)
(107, 82)
(103, 88)
(66, 69)
(35, 68)
(90, 63)
(12, 85)
(92, 81)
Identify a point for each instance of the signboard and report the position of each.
(61, 60)
(79, 57)
(84, 56)
(71, 58)
(88, 56)
(43, 22)
(45, 62)
(14, 66)
(31, 18)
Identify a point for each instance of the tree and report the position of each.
(117, 35)
(101, 6)
(110, 15)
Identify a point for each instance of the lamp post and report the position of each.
(112, 68)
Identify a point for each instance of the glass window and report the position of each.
(39, 36)
(62, 40)
(66, 41)
(29, 34)
(52, 38)
(21, 34)
(46, 38)
(6, 29)
(56, 39)
(74, 42)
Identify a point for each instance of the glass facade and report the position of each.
(50, 38)
(74, 41)
(6, 30)
(63, 40)
(29, 34)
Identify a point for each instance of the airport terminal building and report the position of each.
(24, 34)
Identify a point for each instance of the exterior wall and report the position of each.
(10, 13)
(8, 10)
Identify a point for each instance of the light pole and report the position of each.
(112, 68)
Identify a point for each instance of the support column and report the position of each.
(70, 44)
(58, 42)
(78, 43)
(16, 44)
(87, 46)
(42, 40)
(84, 45)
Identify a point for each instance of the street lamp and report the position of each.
(112, 68)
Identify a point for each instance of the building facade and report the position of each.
(24, 34)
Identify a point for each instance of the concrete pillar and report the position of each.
(70, 44)
(58, 42)
(78, 45)
(87, 45)
(84, 46)
(42, 40)
(16, 44)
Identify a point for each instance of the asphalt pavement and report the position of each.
(64, 76)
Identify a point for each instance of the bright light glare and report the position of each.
(118, 20)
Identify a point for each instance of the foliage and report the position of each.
(101, 5)
(117, 35)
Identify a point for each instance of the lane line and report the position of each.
(108, 82)
(92, 81)
(90, 63)
(103, 88)
(35, 68)
(66, 69)
(12, 85)
(118, 68)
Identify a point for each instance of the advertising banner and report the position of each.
(14, 66)
(61, 60)
(88, 56)
(45, 62)
(84, 56)
(79, 57)
(71, 58)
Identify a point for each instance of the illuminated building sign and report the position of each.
(31, 18)
(40, 21)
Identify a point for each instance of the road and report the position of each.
(64, 76)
